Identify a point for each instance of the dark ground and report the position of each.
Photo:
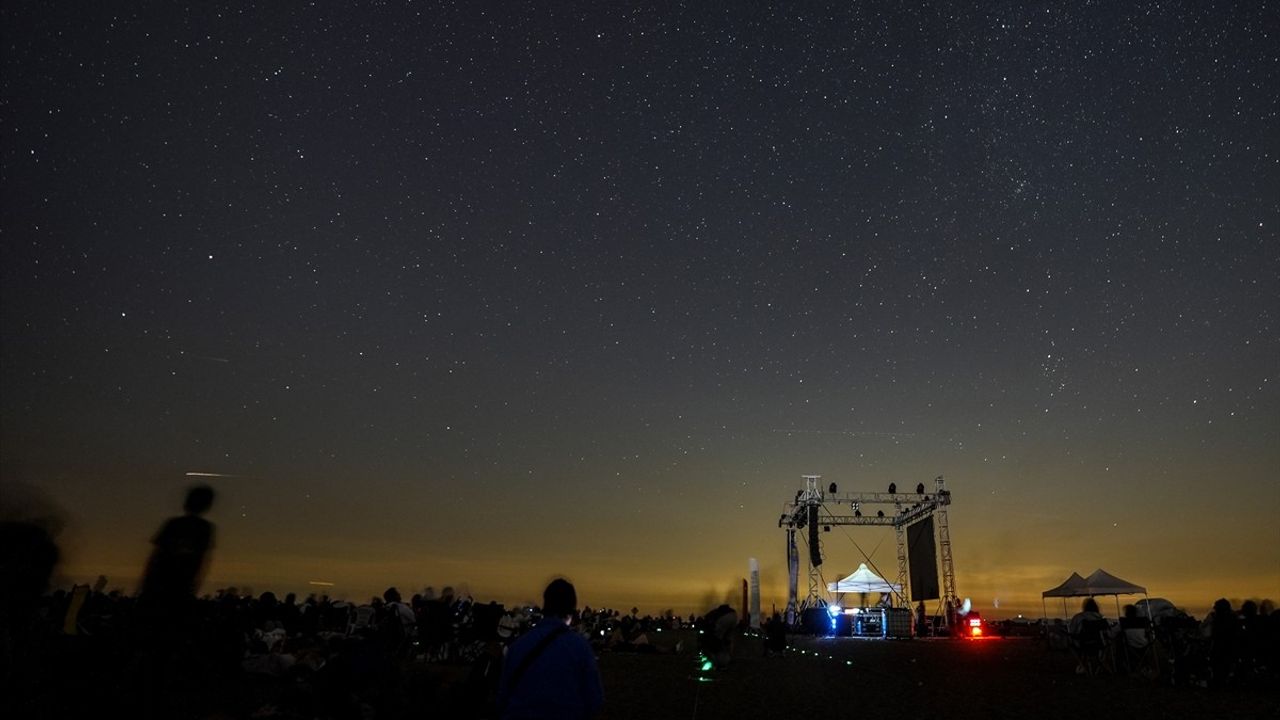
(817, 679)
(992, 678)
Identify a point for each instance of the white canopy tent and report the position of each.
(863, 581)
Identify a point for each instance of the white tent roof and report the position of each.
(863, 581)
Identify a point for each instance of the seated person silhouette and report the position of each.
(719, 627)
(1089, 633)
(1133, 638)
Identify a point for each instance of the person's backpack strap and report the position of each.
(545, 642)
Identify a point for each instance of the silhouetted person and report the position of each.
(28, 556)
(1252, 637)
(389, 643)
(178, 558)
(395, 608)
(1088, 631)
(1133, 634)
(167, 610)
(1088, 613)
(719, 627)
(551, 672)
(775, 630)
(1222, 628)
(951, 617)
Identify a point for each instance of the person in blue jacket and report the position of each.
(551, 671)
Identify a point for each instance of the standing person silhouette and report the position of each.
(551, 671)
(167, 611)
(178, 559)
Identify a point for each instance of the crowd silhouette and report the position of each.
(1228, 647)
(315, 657)
(166, 653)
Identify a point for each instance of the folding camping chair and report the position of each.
(1136, 650)
(1092, 647)
(362, 620)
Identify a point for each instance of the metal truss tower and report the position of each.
(901, 509)
(944, 548)
(811, 496)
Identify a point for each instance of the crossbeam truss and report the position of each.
(885, 509)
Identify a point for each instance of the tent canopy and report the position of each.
(1100, 582)
(863, 581)
(1068, 587)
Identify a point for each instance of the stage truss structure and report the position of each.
(885, 509)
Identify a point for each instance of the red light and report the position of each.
(975, 630)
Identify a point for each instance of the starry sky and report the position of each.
(475, 294)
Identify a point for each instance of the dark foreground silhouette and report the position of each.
(89, 652)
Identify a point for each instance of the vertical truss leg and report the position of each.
(793, 577)
(900, 532)
(948, 570)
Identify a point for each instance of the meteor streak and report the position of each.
(845, 432)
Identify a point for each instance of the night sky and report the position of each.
(475, 294)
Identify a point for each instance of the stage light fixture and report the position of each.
(879, 513)
(832, 488)
(893, 488)
(920, 489)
